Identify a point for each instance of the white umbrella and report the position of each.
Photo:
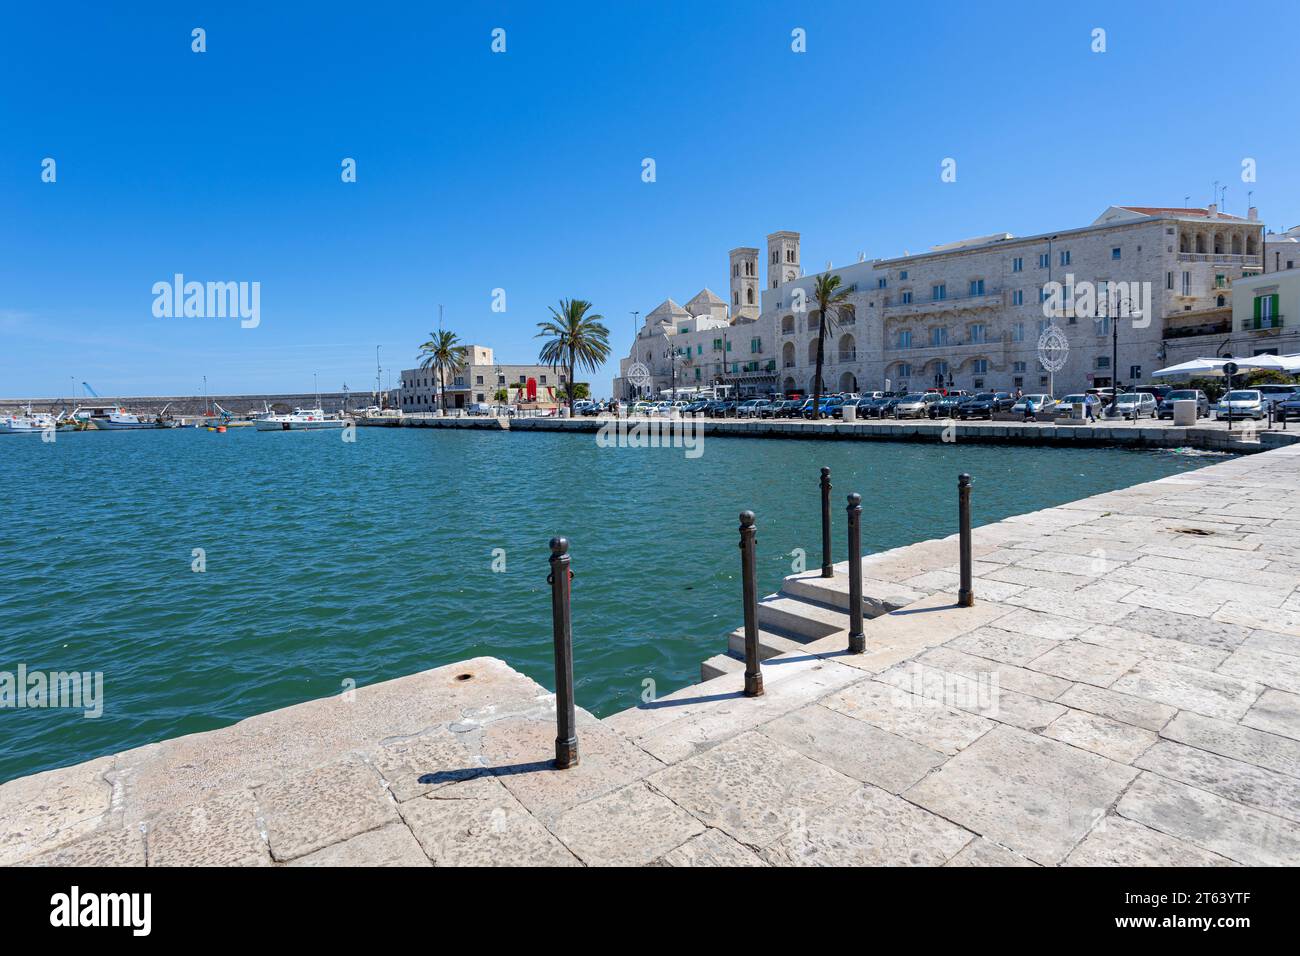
(1213, 367)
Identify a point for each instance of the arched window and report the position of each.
(749, 295)
(735, 298)
(812, 352)
(848, 349)
(787, 324)
(787, 355)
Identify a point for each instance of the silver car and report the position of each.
(1241, 403)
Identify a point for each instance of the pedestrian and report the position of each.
(1030, 414)
(1089, 414)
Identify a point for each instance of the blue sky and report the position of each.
(522, 170)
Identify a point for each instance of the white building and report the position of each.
(969, 314)
(478, 381)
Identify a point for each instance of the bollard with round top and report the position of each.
(857, 641)
(566, 738)
(749, 578)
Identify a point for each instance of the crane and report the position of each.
(91, 391)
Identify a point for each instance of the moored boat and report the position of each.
(300, 419)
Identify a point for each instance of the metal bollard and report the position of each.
(965, 595)
(828, 568)
(749, 577)
(857, 641)
(566, 738)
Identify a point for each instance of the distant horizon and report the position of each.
(488, 180)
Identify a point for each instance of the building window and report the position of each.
(905, 339)
(980, 367)
(1018, 332)
(1116, 253)
(939, 292)
(1187, 283)
(1017, 366)
(976, 286)
(1018, 297)
(542, 379)
(1018, 264)
(906, 298)
(938, 337)
(1169, 281)
(1043, 260)
(902, 274)
(1019, 381)
(881, 283)
(904, 370)
(1065, 257)
(1103, 361)
(978, 383)
(977, 332)
(478, 379)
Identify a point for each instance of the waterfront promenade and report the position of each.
(1125, 691)
(1207, 434)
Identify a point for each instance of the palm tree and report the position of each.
(829, 295)
(442, 353)
(574, 340)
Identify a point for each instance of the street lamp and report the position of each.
(1114, 344)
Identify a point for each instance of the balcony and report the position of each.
(988, 299)
(1263, 323)
(1205, 328)
(1222, 259)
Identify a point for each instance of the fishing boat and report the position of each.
(26, 424)
(117, 418)
(300, 419)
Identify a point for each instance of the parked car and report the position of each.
(698, 407)
(916, 405)
(947, 407)
(723, 408)
(1133, 405)
(1042, 403)
(640, 408)
(1166, 406)
(827, 407)
(752, 408)
(986, 404)
(888, 404)
(1274, 394)
(1288, 408)
(1159, 391)
(1241, 403)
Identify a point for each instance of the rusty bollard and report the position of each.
(965, 593)
(828, 569)
(857, 640)
(749, 577)
(566, 738)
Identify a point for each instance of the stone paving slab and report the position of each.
(1031, 794)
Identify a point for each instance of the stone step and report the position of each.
(878, 597)
(799, 618)
(770, 643)
(718, 665)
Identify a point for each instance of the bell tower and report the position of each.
(782, 258)
(744, 284)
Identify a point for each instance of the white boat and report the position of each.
(300, 419)
(26, 424)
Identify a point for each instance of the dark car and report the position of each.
(697, 408)
(1166, 407)
(1288, 408)
(721, 409)
(1161, 392)
(886, 407)
(985, 404)
(949, 406)
(784, 408)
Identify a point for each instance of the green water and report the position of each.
(328, 561)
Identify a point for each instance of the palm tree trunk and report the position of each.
(571, 362)
(817, 381)
(442, 390)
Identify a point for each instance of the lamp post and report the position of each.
(1114, 343)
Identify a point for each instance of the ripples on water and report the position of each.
(329, 561)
